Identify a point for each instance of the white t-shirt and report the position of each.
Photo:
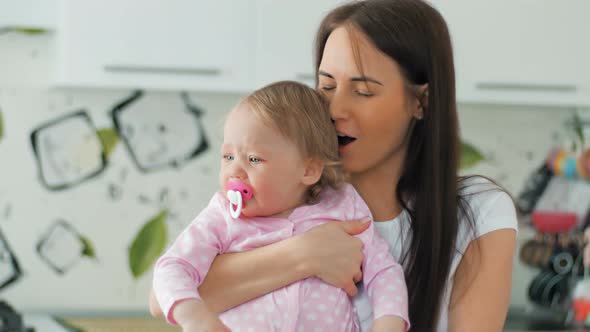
(492, 210)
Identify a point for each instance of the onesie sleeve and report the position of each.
(383, 276)
(182, 268)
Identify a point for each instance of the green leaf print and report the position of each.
(109, 139)
(148, 245)
(470, 155)
(88, 249)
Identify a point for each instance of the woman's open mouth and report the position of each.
(344, 140)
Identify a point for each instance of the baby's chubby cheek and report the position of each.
(250, 208)
(258, 208)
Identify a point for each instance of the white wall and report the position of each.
(26, 101)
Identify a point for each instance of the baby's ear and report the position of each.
(313, 172)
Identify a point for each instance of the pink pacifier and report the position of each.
(237, 193)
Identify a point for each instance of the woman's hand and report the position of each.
(328, 252)
(333, 255)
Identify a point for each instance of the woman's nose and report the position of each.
(339, 106)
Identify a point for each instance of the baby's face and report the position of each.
(263, 158)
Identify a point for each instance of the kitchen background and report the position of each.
(111, 113)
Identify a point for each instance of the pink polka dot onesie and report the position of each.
(307, 305)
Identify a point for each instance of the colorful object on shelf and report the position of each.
(581, 300)
(554, 222)
(563, 163)
(581, 309)
(533, 189)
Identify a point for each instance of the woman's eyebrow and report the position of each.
(365, 79)
(354, 79)
(323, 73)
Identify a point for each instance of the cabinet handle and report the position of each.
(526, 87)
(305, 77)
(162, 70)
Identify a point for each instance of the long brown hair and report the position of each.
(415, 35)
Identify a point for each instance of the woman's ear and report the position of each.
(313, 172)
(422, 101)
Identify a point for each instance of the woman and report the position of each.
(386, 67)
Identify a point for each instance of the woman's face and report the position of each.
(371, 110)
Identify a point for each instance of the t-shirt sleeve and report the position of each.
(383, 276)
(490, 208)
(182, 268)
(496, 212)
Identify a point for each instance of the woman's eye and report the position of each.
(228, 157)
(255, 160)
(327, 88)
(364, 94)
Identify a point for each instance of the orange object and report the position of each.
(581, 309)
(558, 162)
(585, 161)
(566, 164)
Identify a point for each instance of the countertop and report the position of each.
(45, 323)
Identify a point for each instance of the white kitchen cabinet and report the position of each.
(520, 51)
(285, 39)
(28, 13)
(506, 51)
(198, 45)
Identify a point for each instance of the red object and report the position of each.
(581, 309)
(554, 222)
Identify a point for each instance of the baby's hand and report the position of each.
(194, 316)
(205, 324)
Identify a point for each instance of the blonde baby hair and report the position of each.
(301, 114)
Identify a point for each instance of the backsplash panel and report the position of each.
(56, 169)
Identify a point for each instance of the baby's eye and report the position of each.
(255, 160)
(228, 157)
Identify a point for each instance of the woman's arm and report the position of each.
(483, 280)
(327, 252)
(388, 324)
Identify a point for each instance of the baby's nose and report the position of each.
(238, 173)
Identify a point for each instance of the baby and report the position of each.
(280, 177)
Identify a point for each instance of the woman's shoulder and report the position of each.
(487, 205)
(476, 184)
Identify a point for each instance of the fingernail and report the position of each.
(365, 220)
